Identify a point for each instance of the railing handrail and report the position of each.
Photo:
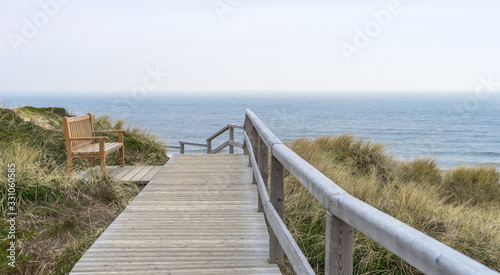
(230, 142)
(221, 131)
(419, 250)
(292, 250)
(192, 143)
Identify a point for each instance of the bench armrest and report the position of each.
(89, 138)
(110, 131)
(120, 133)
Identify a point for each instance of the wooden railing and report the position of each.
(230, 142)
(344, 214)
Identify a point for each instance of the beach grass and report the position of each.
(459, 209)
(59, 216)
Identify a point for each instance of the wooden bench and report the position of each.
(80, 140)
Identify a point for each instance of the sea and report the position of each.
(452, 128)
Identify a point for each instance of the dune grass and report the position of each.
(459, 209)
(60, 216)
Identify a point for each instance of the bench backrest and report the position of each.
(80, 126)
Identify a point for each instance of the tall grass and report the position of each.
(472, 185)
(411, 191)
(60, 216)
(141, 146)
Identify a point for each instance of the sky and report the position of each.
(247, 46)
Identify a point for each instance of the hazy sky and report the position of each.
(247, 45)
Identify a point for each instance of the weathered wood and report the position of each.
(209, 146)
(267, 136)
(80, 136)
(254, 166)
(262, 161)
(246, 129)
(278, 202)
(183, 143)
(124, 172)
(149, 176)
(220, 148)
(218, 133)
(221, 131)
(236, 144)
(133, 173)
(253, 137)
(418, 249)
(187, 221)
(278, 228)
(192, 143)
(138, 177)
(339, 246)
(231, 138)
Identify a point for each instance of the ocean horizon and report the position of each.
(452, 128)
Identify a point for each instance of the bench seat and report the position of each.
(81, 142)
(93, 149)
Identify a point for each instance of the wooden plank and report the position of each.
(141, 173)
(187, 220)
(219, 148)
(124, 172)
(85, 174)
(278, 228)
(218, 133)
(114, 170)
(236, 144)
(132, 173)
(192, 143)
(262, 162)
(277, 199)
(231, 140)
(339, 246)
(149, 176)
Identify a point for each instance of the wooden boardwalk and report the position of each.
(137, 174)
(198, 215)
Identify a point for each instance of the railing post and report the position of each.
(262, 162)
(231, 138)
(246, 128)
(254, 135)
(209, 146)
(339, 246)
(182, 148)
(278, 201)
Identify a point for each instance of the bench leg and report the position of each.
(92, 162)
(122, 157)
(69, 166)
(102, 162)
